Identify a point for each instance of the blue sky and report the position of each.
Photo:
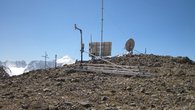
(28, 28)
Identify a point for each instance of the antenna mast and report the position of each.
(102, 26)
(91, 38)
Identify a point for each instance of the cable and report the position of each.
(106, 60)
(138, 51)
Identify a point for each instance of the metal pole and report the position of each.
(46, 56)
(91, 39)
(55, 61)
(82, 45)
(45, 61)
(102, 27)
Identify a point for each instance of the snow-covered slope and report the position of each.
(14, 67)
(16, 71)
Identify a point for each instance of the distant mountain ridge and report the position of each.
(18, 64)
(20, 67)
(34, 65)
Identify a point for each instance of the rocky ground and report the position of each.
(172, 87)
(3, 73)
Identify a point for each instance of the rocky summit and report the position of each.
(172, 87)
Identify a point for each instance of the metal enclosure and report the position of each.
(94, 48)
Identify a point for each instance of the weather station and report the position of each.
(101, 50)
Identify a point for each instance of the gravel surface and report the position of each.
(173, 87)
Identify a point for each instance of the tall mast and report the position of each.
(102, 25)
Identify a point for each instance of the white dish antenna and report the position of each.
(130, 44)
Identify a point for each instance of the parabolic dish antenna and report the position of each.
(130, 45)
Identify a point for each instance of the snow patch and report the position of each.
(65, 60)
(16, 71)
